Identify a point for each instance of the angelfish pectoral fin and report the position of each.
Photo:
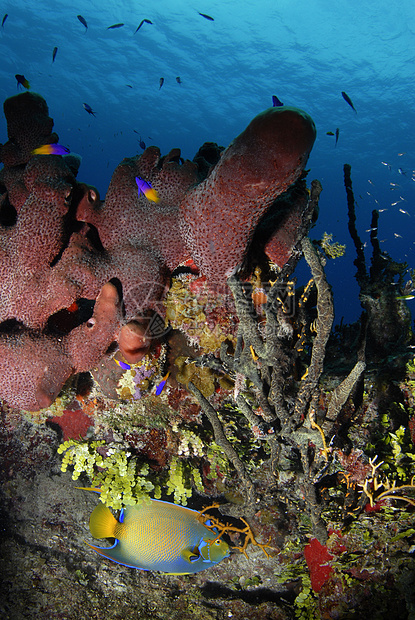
(190, 555)
(102, 522)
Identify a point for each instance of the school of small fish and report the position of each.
(24, 83)
(396, 204)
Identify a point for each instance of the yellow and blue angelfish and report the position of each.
(158, 536)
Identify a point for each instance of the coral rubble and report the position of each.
(81, 276)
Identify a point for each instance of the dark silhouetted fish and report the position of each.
(142, 144)
(143, 21)
(161, 82)
(178, 80)
(21, 80)
(83, 21)
(55, 51)
(329, 133)
(88, 109)
(4, 19)
(207, 17)
(348, 100)
(114, 26)
(337, 135)
(276, 102)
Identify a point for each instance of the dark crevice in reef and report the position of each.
(207, 157)
(176, 158)
(93, 237)
(11, 326)
(8, 214)
(71, 225)
(65, 320)
(118, 285)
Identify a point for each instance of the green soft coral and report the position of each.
(179, 482)
(402, 460)
(122, 480)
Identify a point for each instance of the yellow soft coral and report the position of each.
(332, 249)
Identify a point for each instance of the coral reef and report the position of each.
(61, 245)
(303, 438)
(336, 522)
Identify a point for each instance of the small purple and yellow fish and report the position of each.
(158, 536)
(51, 149)
(162, 384)
(122, 365)
(146, 189)
(21, 81)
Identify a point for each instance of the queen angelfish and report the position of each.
(158, 536)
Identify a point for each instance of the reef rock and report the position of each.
(80, 276)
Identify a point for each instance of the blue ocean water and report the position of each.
(304, 51)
